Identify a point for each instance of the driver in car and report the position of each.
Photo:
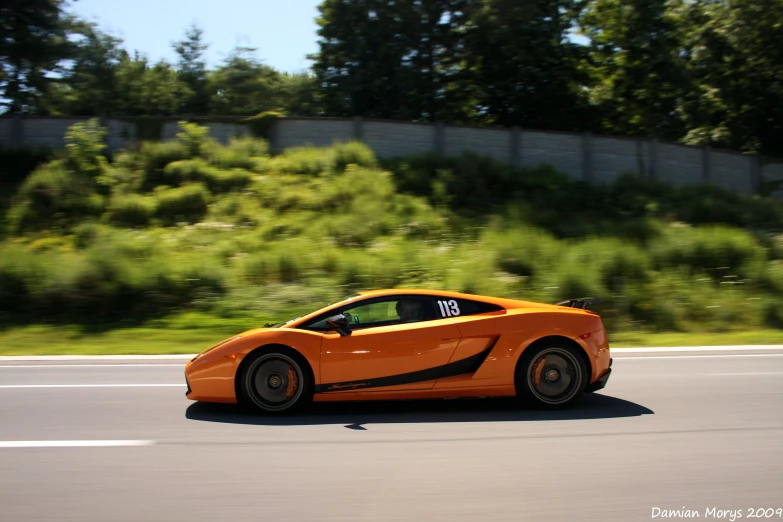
(410, 310)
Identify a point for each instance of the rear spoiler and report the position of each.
(582, 302)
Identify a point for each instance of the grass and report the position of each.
(674, 339)
(35, 340)
(171, 339)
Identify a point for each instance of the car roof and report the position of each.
(393, 291)
(424, 291)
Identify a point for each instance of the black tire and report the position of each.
(551, 376)
(275, 381)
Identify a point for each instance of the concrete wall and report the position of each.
(596, 159)
(773, 172)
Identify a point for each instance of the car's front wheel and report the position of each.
(551, 376)
(275, 381)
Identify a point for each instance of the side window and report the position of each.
(447, 307)
(383, 312)
(373, 314)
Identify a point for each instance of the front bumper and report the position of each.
(600, 383)
(189, 391)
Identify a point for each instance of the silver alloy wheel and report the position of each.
(554, 376)
(274, 382)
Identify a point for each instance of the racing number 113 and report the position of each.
(448, 308)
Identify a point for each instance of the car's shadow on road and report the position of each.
(355, 414)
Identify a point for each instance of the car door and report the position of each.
(385, 351)
(482, 354)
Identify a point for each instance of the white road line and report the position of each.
(746, 373)
(72, 443)
(91, 385)
(174, 357)
(119, 365)
(716, 356)
(668, 349)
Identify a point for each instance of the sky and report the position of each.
(282, 31)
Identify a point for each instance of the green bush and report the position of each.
(353, 153)
(772, 278)
(470, 182)
(709, 204)
(302, 160)
(132, 210)
(237, 209)
(84, 150)
(279, 266)
(198, 170)
(54, 197)
(183, 204)
(194, 137)
(221, 181)
(182, 171)
(20, 272)
(99, 285)
(317, 161)
(155, 156)
(717, 252)
(242, 153)
(520, 250)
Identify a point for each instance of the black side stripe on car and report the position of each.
(462, 367)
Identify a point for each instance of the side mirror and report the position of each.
(340, 324)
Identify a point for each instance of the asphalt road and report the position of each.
(698, 431)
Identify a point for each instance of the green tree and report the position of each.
(522, 68)
(243, 86)
(396, 60)
(637, 74)
(148, 89)
(300, 95)
(358, 66)
(734, 52)
(192, 70)
(33, 44)
(434, 42)
(104, 79)
(90, 83)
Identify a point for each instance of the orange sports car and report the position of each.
(410, 344)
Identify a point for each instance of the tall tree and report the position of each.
(523, 69)
(359, 67)
(389, 58)
(147, 89)
(91, 81)
(104, 79)
(192, 71)
(243, 86)
(300, 95)
(33, 44)
(638, 75)
(433, 57)
(734, 52)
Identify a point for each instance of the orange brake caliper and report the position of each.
(539, 366)
(292, 383)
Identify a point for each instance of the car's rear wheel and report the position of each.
(275, 381)
(551, 376)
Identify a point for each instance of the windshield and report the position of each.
(283, 323)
